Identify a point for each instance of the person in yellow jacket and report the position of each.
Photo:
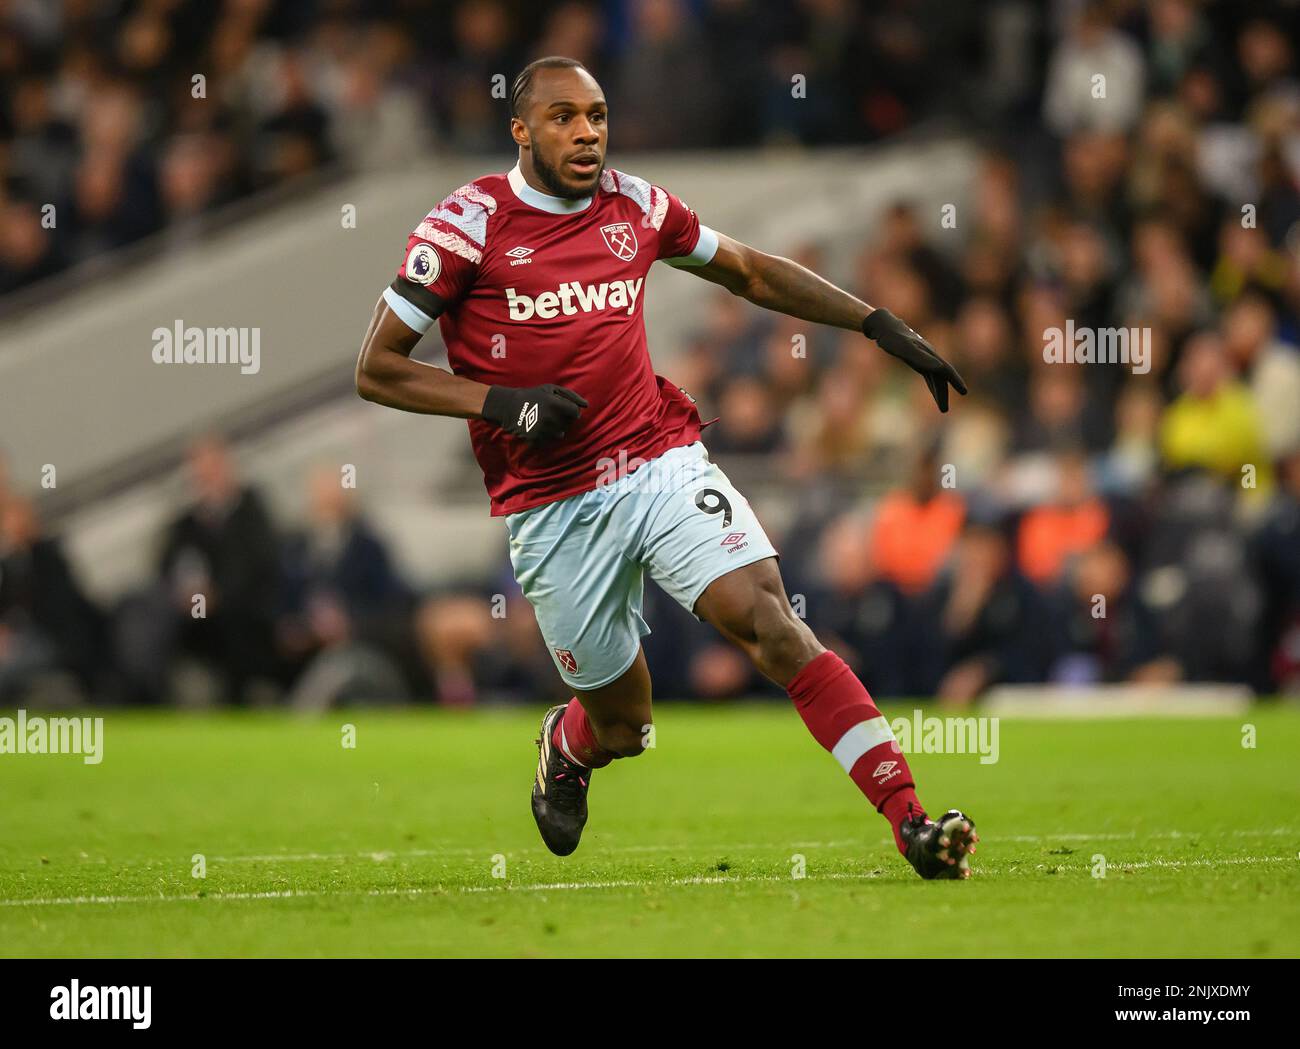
(1214, 424)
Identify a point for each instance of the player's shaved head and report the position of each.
(558, 119)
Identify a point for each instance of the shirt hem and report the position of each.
(503, 509)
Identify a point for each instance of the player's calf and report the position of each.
(749, 607)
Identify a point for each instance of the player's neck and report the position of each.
(527, 188)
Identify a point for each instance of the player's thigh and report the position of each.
(703, 528)
(571, 564)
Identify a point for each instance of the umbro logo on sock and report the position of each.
(885, 771)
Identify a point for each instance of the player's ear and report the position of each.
(519, 132)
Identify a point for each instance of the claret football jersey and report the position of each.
(529, 288)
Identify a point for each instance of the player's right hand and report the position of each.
(534, 413)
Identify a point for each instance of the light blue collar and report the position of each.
(544, 201)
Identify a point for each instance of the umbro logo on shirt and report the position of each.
(570, 298)
(519, 256)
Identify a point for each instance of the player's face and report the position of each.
(567, 128)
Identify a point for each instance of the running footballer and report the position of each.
(536, 279)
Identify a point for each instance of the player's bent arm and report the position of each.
(386, 374)
(782, 285)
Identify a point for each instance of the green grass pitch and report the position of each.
(391, 848)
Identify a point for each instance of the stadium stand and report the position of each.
(994, 206)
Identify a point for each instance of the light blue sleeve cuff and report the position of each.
(706, 246)
(413, 318)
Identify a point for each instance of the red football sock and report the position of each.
(577, 740)
(841, 716)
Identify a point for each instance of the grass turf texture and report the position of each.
(388, 848)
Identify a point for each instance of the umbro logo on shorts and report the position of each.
(734, 541)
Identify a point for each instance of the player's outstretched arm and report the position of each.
(784, 286)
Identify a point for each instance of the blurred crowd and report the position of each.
(238, 608)
(123, 118)
(1067, 522)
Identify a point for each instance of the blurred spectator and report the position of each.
(983, 621)
(217, 588)
(1269, 367)
(1059, 414)
(1276, 553)
(343, 606)
(1094, 77)
(484, 47)
(1213, 425)
(862, 617)
(1107, 634)
(47, 624)
(747, 420)
(28, 252)
(475, 647)
(1130, 463)
(1196, 574)
(915, 528)
(1072, 522)
(668, 53)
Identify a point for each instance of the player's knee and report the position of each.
(623, 738)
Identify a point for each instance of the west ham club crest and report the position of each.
(620, 238)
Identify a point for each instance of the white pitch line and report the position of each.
(566, 886)
(1227, 861)
(383, 855)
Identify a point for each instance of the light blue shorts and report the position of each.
(581, 560)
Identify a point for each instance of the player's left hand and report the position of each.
(898, 340)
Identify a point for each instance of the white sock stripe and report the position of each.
(860, 739)
(564, 746)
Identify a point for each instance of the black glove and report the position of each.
(534, 413)
(897, 339)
